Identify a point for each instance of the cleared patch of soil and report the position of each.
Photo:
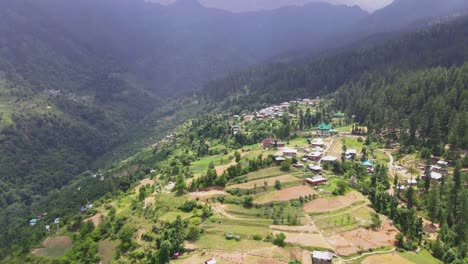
(312, 229)
(285, 194)
(259, 183)
(351, 242)
(205, 195)
(305, 239)
(321, 205)
(54, 247)
(143, 183)
(96, 219)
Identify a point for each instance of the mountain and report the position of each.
(441, 45)
(180, 46)
(405, 12)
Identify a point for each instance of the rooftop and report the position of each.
(323, 255)
(324, 127)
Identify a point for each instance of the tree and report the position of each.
(410, 197)
(126, 235)
(433, 205)
(341, 187)
(180, 185)
(165, 251)
(279, 240)
(286, 165)
(337, 167)
(376, 221)
(193, 232)
(412, 171)
(277, 185)
(449, 257)
(437, 249)
(427, 177)
(248, 202)
(465, 161)
(237, 155)
(457, 177)
(425, 153)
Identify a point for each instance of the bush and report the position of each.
(188, 206)
(248, 202)
(257, 237)
(286, 165)
(279, 240)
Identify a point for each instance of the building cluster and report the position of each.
(275, 111)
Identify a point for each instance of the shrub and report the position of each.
(257, 237)
(279, 240)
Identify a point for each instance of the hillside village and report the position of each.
(290, 182)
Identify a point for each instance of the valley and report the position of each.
(236, 203)
(133, 132)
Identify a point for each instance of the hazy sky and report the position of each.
(249, 5)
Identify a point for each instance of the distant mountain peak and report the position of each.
(188, 3)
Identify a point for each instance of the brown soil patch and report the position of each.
(305, 239)
(96, 219)
(331, 204)
(306, 257)
(149, 201)
(312, 229)
(221, 257)
(285, 194)
(143, 183)
(259, 183)
(54, 247)
(205, 195)
(350, 242)
(386, 258)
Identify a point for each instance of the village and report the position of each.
(323, 215)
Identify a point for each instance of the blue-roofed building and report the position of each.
(368, 163)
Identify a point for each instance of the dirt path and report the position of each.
(219, 208)
(391, 173)
(351, 209)
(365, 254)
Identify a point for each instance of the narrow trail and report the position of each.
(311, 222)
(391, 172)
(341, 260)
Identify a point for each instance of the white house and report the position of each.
(321, 257)
(329, 159)
(412, 182)
(442, 163)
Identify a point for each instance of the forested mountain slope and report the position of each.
(441, 45)
(178, 47)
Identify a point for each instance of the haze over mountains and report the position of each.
(167, 49)
(256, 5)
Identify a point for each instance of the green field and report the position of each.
(201, 166)
(422, 257)
(265, 173)
(348, 220)
(297, 142)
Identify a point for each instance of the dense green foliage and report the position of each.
(427, 108)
